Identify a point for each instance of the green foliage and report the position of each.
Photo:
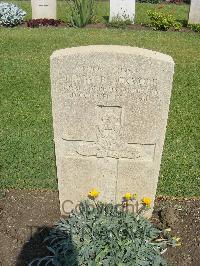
(10, 15)
(195, 27)
(118, 22)
(82, 12)
(106, 234)
(162, 21)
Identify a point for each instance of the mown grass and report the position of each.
(27, 151)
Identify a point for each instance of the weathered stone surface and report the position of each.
(194, 16)
(43, 9)
(110, 109)
(122, 9)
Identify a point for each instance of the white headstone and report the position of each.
(43, 9)
(122, 10)
(194, 16)
(110, 109)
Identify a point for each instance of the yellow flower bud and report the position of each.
(128, 196)
(176, 238)
(146, 201)
(93, 193)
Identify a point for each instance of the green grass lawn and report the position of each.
(27, 151)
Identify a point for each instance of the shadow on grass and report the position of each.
(106, 18)
(183, 22)
(35, 249)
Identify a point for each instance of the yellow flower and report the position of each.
(93, 193)
(128, 196)
(176, 238)
(125, 204)
(146, 201)
(168, 230)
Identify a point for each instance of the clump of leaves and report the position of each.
(162, 21)
(118, 22)
(106, 234)
(195, 27)
(82, 12)
(35, 23)
(11, 15)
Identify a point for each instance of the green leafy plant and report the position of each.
(162, 21)
(107, 234)
(194, 27)
(11, 15)
(82, 12)
(118, 22)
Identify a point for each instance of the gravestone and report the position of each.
(110, 109)
(194, 15)
(122, 10)
(43, 9)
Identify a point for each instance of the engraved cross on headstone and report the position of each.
(110, 139)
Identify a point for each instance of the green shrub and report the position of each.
(162, 21)
(194, 27)
(106, 234)
(82, 12)
(11, 15)
(118, 22)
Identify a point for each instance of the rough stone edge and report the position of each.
(115, 49)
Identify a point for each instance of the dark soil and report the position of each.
(106, 26)
(27, 216)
